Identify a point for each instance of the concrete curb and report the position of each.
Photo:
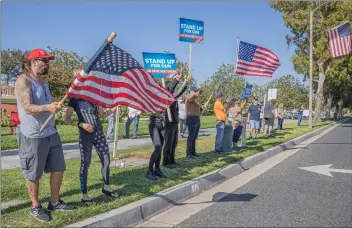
(136, 212)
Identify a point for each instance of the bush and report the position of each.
(5, 120)
(60, 117)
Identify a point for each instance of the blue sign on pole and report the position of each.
(160, 65)
(246, 92)
(191, 31)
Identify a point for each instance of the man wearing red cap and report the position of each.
(39, 150)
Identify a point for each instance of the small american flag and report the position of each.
(113, 77)
(340, 40)
(254, 60)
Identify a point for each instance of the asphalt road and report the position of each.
(287, 196)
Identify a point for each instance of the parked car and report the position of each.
(291, 115)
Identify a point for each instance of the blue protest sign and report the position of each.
(246, 91)
(191, 31)
(160, 65)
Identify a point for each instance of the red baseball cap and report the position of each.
(39, 53)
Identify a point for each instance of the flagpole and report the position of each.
(115, 158)
(243, 134)
(86, 69)
(236, 56)
(190, 59)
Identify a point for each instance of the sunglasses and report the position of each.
(45, 60)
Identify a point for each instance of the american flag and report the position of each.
(340, 40)
(113, 77)
(254, 60)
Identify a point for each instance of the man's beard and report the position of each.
(44, 70)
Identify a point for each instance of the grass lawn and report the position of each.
(70, 134)
(129, 182)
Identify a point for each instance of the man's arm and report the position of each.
(243, 103)
(24, 96)
(181, 91)
(273, 110)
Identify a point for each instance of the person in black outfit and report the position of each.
(156, 131)
(171, 122)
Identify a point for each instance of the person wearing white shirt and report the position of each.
(110, 131)
(133, 116)
(182, 116)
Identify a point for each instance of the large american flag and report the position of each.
(340, 40)
(254, 60)
(114, 78)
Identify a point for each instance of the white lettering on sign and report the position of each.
(195, 187)
(192, 29)
(171, 61)
(155, 61)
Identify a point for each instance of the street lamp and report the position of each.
(311, 66)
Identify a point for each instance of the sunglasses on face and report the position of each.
(45, 60)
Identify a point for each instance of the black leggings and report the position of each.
(86, 142)
(156, 131)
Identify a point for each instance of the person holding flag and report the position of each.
(91, 133)
(39, 150)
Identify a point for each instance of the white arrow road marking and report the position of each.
(325, 170)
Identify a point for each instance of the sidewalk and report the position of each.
(10, 160)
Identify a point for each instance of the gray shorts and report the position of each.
(269, 121)
(41, 154)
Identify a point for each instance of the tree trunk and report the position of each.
(340, 112)
(319, 94)
(328, 107)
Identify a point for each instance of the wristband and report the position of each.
(78, 124)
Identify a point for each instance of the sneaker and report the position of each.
(190, 156)
(250, 137)
(108, 193)
(38, 213)
(150, 175)
(158, 173)
(195, 154)
(88, 202)
(134, 137)
(61, 206)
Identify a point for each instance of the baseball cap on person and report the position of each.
(219, 95)
(195, 89)
(39, 53)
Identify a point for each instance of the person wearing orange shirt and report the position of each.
(220, 121)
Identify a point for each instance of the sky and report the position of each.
(149, 27)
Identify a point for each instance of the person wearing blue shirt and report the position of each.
(254, 118)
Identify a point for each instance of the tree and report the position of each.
(290, 91)
(222, 81)
(11, 64)
(61, 71)
(338, 89)
(296, 17)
